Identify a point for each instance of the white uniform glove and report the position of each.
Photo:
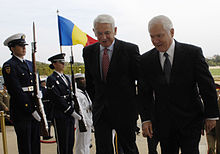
(36, 116)
(39, 95)
(76, 116)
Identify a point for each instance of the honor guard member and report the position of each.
(83, 139)
(18, 77)
(59, 91)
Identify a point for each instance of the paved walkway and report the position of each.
(51, 148)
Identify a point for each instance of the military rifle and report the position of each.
(82, 124)
(40, 106)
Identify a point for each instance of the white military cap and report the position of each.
(16, 39)
(79, 75)
(43, 79)
(58, 57)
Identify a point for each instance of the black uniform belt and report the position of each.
(29, 88)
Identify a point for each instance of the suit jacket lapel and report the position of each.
(158, 68)
(97, 61)
(178, 60)
(157, 61)
(114, 59)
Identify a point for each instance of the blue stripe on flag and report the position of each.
(65, 31)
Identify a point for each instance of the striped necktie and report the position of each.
(105, 64)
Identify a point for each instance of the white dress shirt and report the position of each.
(170, 53)
(21, 59)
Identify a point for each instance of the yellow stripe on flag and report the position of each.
(78, 37)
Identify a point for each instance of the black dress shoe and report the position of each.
(47, 137)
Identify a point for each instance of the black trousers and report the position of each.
(28, 136)
(104, 141)
(65, 135)
(119, 149)
(152, 143)
(187, 140)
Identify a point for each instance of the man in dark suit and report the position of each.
(110, 70)
(59, 92)
(175, 76)
(18, 77)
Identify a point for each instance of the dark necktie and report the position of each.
(167, 67)
(25, 64)
(105, 64)
(64, 79)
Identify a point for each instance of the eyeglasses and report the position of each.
(107, 33)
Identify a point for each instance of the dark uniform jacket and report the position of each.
(60, 94)
(18, 75)
(116, 97)
(48, 106)
(178, 104)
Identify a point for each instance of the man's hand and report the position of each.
(6, 109)
(147, 129)
(76, 116)
(40, 95)
(209, 125)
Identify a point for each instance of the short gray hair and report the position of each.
(161, 19)
(104, 18)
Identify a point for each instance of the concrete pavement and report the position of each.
(51, 148)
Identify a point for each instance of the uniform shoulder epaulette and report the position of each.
(7, 68)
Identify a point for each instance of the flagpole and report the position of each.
(72, 70)
(58, 31)
(72, 60)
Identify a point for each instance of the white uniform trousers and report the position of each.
(83, 141)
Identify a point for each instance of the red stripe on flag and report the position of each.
(90, 40)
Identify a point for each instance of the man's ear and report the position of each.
(115, 30)
(12, 49)
(172, 32)
(94, 31)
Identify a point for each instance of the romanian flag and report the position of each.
(70, 34)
